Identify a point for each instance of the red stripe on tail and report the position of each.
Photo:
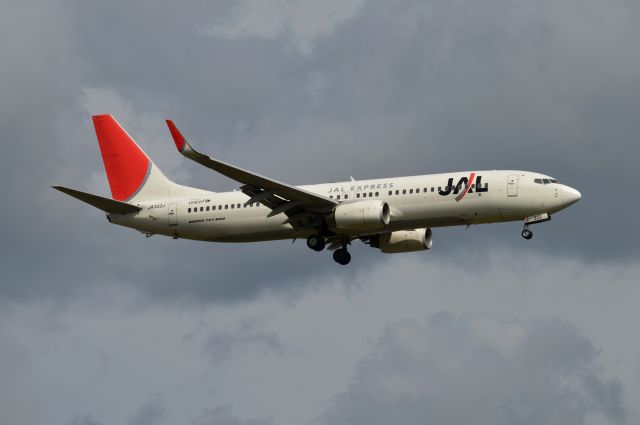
(125, 163)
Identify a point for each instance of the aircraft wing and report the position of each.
(280, 197)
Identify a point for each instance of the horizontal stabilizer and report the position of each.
(105, 204)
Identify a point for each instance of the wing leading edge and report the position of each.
(298, 204)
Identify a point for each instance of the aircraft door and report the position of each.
(512, 185)
(173, 214)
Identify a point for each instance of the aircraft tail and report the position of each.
(131, 173)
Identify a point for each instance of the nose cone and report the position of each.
(570, 196)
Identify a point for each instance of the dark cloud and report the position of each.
(455, 370)
(221, 415)
(152, 412)
(84, 420)
(219, 346)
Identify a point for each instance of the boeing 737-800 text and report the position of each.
(393, 214)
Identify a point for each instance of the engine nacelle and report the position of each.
(362, 215)
(404, 241)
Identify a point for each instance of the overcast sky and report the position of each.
(99, 325)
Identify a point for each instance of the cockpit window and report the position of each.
(545, 181)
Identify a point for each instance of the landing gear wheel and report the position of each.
(527, 234)
(315, 242)
(342, 256)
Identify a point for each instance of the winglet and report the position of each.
(178, 138)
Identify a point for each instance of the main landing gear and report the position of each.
(315, 242)
(526, 233)
(340, 255)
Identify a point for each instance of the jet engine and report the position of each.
(403, 241)
(362, 215)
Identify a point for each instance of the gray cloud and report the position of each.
(221, 415)
(477, 370)
(160, 349)
(152, 412)
(219, 346)
(84, 420)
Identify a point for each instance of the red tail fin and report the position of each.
(126, 164)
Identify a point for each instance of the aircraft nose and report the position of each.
(570, 195)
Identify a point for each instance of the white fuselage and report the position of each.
(415, 202)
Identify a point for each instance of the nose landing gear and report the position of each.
(538, 218)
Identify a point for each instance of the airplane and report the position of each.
(394, 214)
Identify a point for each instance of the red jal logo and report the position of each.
(463, 186)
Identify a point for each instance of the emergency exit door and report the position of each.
(512, 185)
(173, 214)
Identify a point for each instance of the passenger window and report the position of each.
(338, 197)
(213, 207)
(188, 210)
(233, 206)
(357, 195)
(226, 206)
(201, 209)
(426, 189)
(390, 192)
(370, 194)
(410, 190)
(397, 192)
(404, 191)
(346, 196)
(238, 205)
(377, 194)
(331, 196)
(364, 195)
(418, 190)
(433, 189)
(207, 207)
